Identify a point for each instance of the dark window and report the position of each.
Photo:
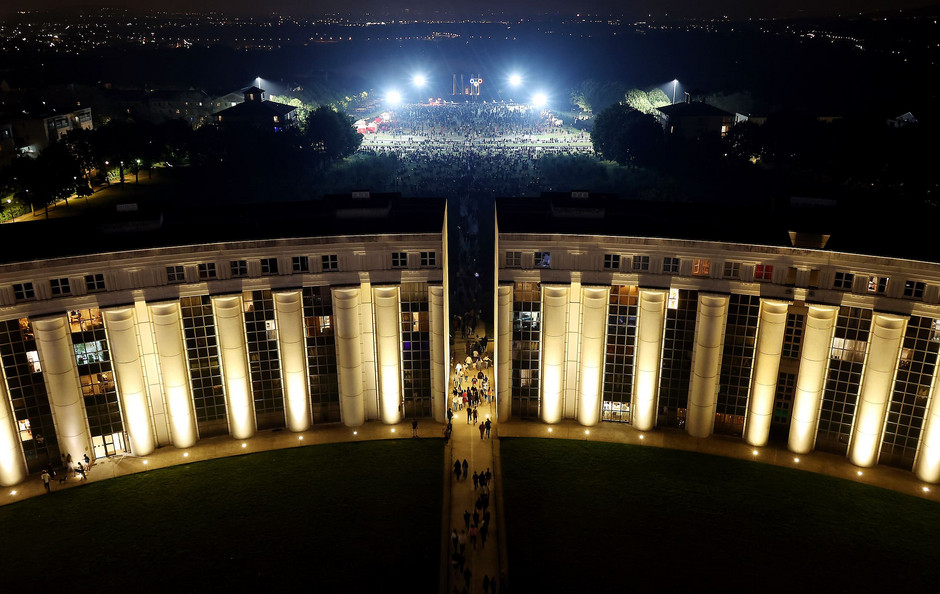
(300, 264)
(175, 274)
(60, 286)
(843, 281)
(239, 268)
(399, 260)
(269, 266)
(914, 289)
(428, 258)
(330, 262)
(207, 271)
(24, 291)
(670, 265)
(611, 261)
(94, 282)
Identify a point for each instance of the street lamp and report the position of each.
(675, 85)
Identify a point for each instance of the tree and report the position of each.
(593, 96)
(331, 135)
(646, 102)
(303, 109)
(627, 136)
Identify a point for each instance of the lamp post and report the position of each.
(675, 85)
(107, 173)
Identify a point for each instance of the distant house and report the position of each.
(257, 112)
(902, 120)
(27, 133)
(695, 119)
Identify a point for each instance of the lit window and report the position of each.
(428, 258)
(300, 264)
(670, 265)
(330, 262)
(513, 259)
(33, 358)
(239, 268)
(843, 281)
(399, 260)
(731, 270)
(175, 274)
(673, 301)
(763, 272)
(60, 286)
(701, 267)
(207, 271)
(611, 261)
(641, 263)
(24, 291)
(914, 289)
(877, 284)
(26, 433)
(543, 259)
(269, 266)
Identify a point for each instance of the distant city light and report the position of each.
(515, 80)
(539, 100)
(393, 97)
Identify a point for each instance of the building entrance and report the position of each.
(108, 445)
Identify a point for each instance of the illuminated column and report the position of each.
(927, 463)
(230, 327)
(388, 351)
(12, 462)
(65, 392)
(348, 336)
(168, 334)
(649, 350)
(150, 363)
(570, 407)
(814, 362)
(370, 373)
(593, 353)
(881, 363)
(121, 328)
(706, 363)
(770, 330)
(439, 363)
(554, 320)
(503, 352)
(292, 347)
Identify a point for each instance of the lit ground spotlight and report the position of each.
(186, 454)
(797, 460)
(244, 445)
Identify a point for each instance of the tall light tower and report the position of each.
(675, 85)
(419, 81)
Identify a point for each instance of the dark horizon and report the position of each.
(634, 9)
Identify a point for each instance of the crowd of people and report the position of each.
(476, 525)
(472, 147)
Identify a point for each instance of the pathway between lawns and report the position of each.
(466, 444)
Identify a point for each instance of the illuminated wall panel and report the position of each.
(388, 352)
(555, 312)
(593, 331)
(230, 328)
(121, 327)
(706, 363)
(439, 341)
(772, 325)
(814, 362)
(877, 381)
(349, 355)
(503, 351)
(168, 334)
(288, 309)
(649, 348)
(65, 393)
(12, 462)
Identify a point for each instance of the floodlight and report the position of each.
(539, 100)
(515, 80)
(419, 80)
(393, 97)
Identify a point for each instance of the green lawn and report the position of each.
(327, 518)
(599, 517)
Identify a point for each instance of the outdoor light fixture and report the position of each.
(586, 432)
(549, 429)
(419, 80)
(515, 80)
(641, 437)
(13, 492)
(926, 489)
(300, 438)
(146, 462)
(186, 454)
(244, 445)
(393, 430)
(393, 97)
(539, 100)
(796, 460)
(355, 433)
(754, 452)
(859, 473)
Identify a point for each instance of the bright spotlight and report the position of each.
(419, 80)
(393, 97)
(515, 80)
(539, 100)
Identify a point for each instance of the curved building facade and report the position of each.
(123, 334)
(618, 311)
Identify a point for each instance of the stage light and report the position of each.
(539, 100)
(393, 97)
(515, 80)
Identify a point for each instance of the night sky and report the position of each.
(629, 8)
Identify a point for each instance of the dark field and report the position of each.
(598, 517)
(327, 518)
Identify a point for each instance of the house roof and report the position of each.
(260, 110)
(693, 109)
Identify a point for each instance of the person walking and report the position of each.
(466, 467)
(488, 424)
(414, 427)
(486, 584)
(466, 521)
(476, 480)
(456, 468)
(484, 529)
(473, 533)
(482, 429)
(46, 478)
